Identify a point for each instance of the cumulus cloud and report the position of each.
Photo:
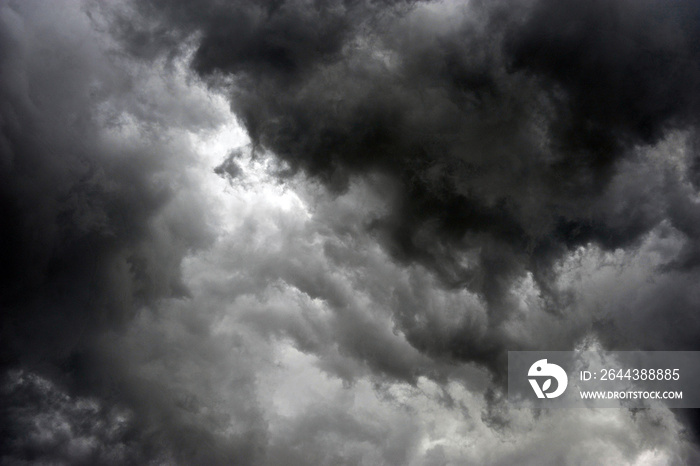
(308, 232)
(503, 126)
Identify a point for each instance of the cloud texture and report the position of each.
(508, 132)
(308, 232)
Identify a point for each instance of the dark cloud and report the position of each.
(510, 133)
(503, 176)
(43, 424)
(629, 69)
(96, 221)
(82, 246)
(504, 127)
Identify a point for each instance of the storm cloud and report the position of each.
(308, 232)
(507, 131)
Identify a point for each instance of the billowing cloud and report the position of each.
(506, 135)
(308, 232)
(98, 204)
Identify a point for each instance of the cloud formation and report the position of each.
(507, 131)
(334, 272)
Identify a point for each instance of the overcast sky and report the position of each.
(307, 232)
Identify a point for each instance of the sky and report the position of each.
(308, 232)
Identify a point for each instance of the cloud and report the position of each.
(425, 186)
(502, 126)
(99, 208)
(510, 136)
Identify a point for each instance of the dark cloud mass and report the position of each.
(427, 185)
(83, 246)
(88, 237)
(504, 125)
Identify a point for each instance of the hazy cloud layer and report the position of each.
(308, 232)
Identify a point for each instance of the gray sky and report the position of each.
(308, 232)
